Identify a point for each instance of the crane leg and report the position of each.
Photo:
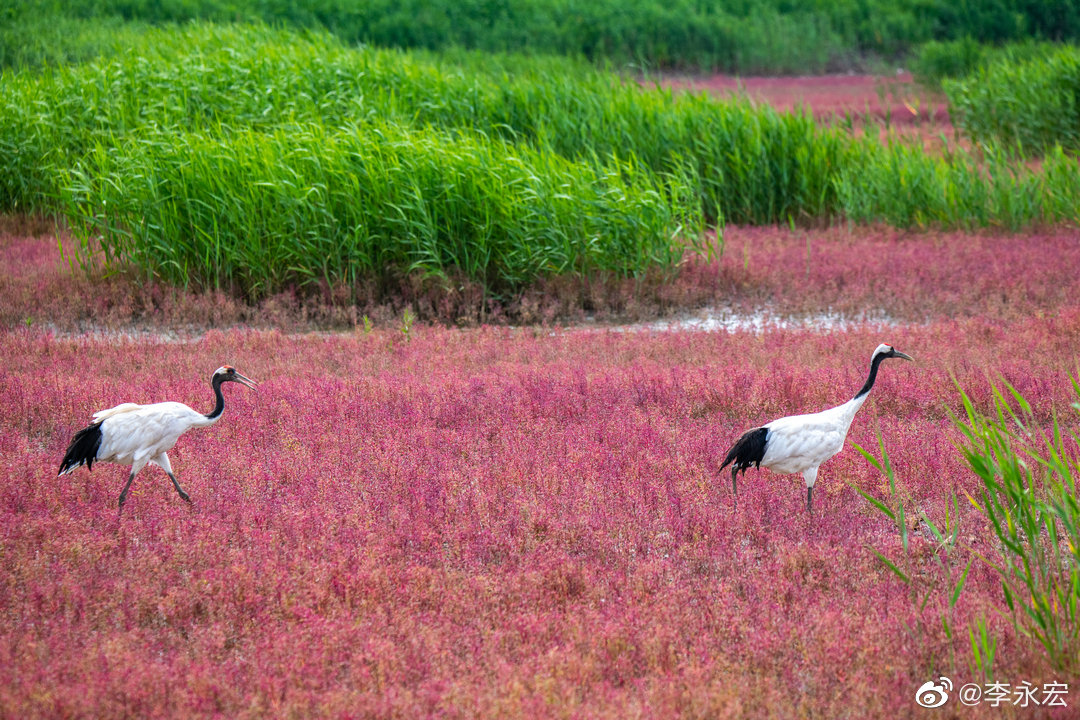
(811, 477)
(163, 461)
(179, 489)
(135, 468)
(734, 489)
(124, 492)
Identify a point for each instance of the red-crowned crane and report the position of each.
(135, 435)
(800, 443)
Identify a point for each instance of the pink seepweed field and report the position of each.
(528, 522)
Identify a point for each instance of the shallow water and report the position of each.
(762, 320)
(705, 320)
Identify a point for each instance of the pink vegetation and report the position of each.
(524, 523)
(870, 272)
(905, 275)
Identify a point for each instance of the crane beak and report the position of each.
(246, 381)
(905, 356)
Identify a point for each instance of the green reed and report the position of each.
(257, 212)
(946, 532)
(754, 165)
(1028, 495)
(1032, 100)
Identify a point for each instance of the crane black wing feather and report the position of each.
(747, 450)
(82, 450)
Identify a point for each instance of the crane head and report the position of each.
(227, 373)
(888, 351)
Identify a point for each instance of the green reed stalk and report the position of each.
(945, 536)
(1029, 497)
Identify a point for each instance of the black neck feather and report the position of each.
(219, 400)
(872, 377)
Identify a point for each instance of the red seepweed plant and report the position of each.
(492, 521)
(863, 274)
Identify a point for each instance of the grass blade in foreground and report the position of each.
(1029, 497)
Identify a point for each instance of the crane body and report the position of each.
(135, 435)
(801, 443)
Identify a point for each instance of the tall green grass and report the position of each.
(934, 62)
(754, 165)
(1029, 497)
(751, 164)
(900, 185)
(1034, 104)
(52, 39)
(765, 36)
(257, 212)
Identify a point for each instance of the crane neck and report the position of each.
(219, 401)
(861, 395)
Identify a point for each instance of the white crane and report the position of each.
(800, 443)
(135, 435)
